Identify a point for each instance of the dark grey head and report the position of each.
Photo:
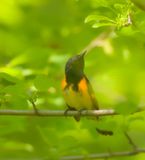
(74, 68)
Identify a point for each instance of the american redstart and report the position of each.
(77, 90)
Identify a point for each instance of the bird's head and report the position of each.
(75, 66)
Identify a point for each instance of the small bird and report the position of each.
(77, 90)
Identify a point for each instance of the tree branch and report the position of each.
(58, 113)
(99, 40)
(105, 155)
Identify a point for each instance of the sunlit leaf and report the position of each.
(98, 18)
(8, 77)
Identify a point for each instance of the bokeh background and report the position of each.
(36, 39)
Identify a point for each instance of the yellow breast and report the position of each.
(77, 99)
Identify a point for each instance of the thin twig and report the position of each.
(105, 155)
(130, 141)
(58, 113)
(34, 106)
(98, 41)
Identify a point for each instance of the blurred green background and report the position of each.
(36, 39)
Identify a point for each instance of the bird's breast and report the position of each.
(78, 99)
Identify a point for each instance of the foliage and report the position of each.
(37, 38)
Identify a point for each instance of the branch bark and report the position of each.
(99, 40)
(58, 113)
(105, 155)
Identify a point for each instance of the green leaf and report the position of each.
(99, 21)
(17, 102)
(8, 77)
(98, 18)
(139, 3)
(19, 89)
(119, 6)
(42, 83)
(126, 108)
(97, 25)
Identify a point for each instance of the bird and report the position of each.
(76, 88)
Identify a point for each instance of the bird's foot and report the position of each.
(68, 109)
(78, 116)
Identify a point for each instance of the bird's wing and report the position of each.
(92, 94)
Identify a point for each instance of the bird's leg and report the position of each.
(77, 117)
(69, 109)
(82, 110)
